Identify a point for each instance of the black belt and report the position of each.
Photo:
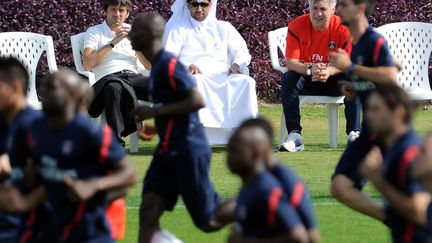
(122, 72)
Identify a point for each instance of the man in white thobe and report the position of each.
(217, 56)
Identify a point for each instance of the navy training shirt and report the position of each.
(297, 193)
(370, 51)
(17, 145)
(14, 144)
(3, 135)
(398, 162)
(171, 83)
(83, 151)
(263, 209)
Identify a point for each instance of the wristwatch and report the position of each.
(111, 44)
(351, 69)
(309, 71)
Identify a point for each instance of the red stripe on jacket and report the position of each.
(409, 155)
(168, 132)
(378, 45)
(106, 143)
(408, 236)
(171, 70)
(30, 222)
(78, 216)
(297, 195)
(273, 203)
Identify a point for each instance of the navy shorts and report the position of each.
(187, 175)
(353, 156)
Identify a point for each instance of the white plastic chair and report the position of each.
(77, 42)
(277, 39)
(411, 43)
(28, 48)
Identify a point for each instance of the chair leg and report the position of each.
(133, 142)
(283, 130)
(333, 123)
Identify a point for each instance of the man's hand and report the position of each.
(81, 190)
(348, 90)
(372, 166)
(147, 133)
(234, 69)
(142, 112)
(5, 168)
(340, 60)
(193, 69)
(120, 35)
(320, 73)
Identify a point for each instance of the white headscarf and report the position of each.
(181, 13)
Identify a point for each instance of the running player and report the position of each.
(371, 63)
(389, 116)
(18, 118)
(263, 211)
(79, 162)
(181, 161)
(292, 185)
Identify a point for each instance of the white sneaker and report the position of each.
(294, 143)
(352, 136)
(164, 236)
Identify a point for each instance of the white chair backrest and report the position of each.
(277, 39)
(410, 43)
(77, 42)
(28, 48)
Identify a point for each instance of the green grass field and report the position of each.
(336, 222)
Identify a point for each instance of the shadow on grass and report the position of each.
(146, 150)
(317, 148)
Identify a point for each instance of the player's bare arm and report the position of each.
(12, 200)
(92, 58)
(123, 177)
(192, 102)
(380, 74)
(343, 189)
(144, 60)
(413, 208)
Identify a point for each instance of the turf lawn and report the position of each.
(337, 223)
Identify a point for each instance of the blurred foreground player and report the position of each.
(371, 63)
(181, 161)
(263, 212)
(18, 224)
(389, 116)
(116, 209)
(292, 185)
(80, 163)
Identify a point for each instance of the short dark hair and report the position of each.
(370, 5)
(395, 96)
(259, 123)
(12, 69)
(122, 3)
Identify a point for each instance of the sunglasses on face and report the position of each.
(196, 4)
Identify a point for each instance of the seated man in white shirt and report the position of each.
(109, 55)
(216, 55)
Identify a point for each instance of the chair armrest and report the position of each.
(90, 76)
(281, 69)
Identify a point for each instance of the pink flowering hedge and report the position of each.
(253, 18)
